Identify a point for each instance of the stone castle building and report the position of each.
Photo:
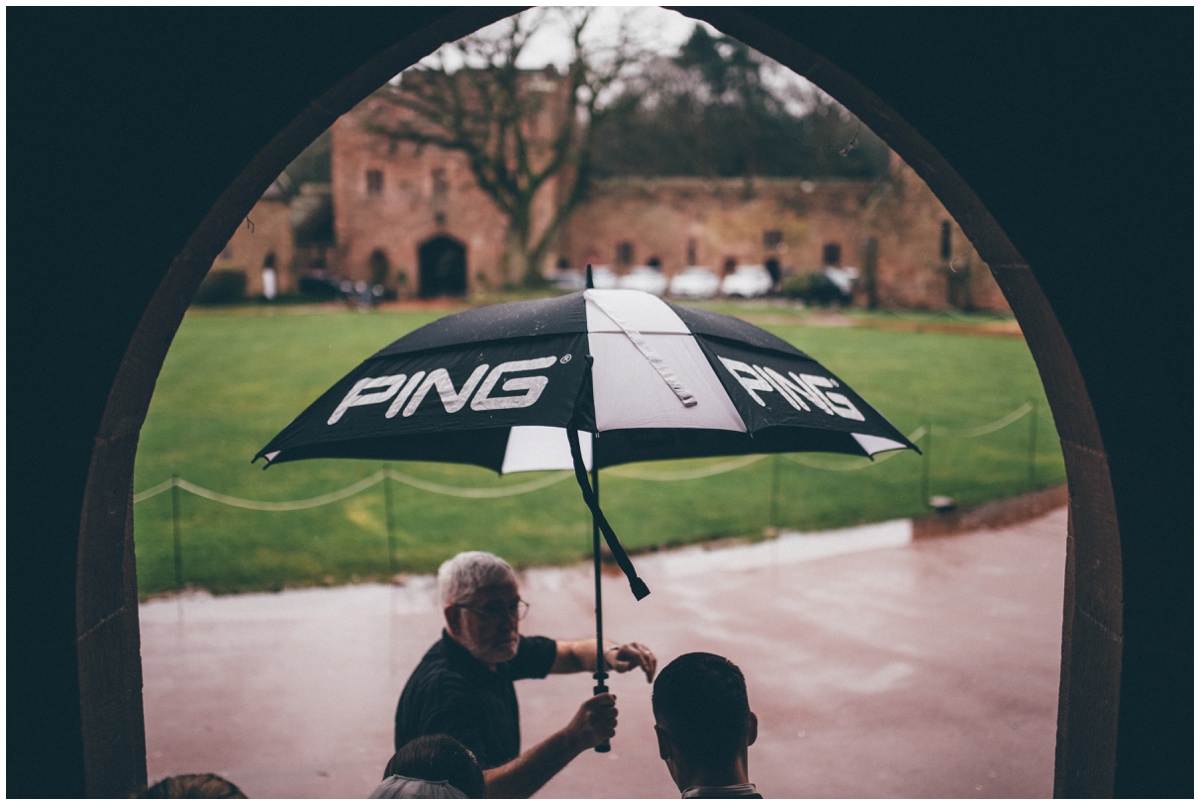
(264, 243)
(413, 220)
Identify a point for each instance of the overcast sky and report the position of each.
(658, 29)
(655, 28)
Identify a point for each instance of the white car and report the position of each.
(695, 282)
(603, 277)
(747, 282)
(843, 278)
(566, 279)
(643, 278)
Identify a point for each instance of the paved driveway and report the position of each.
(878, 667)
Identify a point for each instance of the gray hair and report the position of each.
(460, 576)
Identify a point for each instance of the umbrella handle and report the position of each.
(604, 746)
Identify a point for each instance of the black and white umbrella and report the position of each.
(585, 381)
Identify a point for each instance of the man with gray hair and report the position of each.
(463, 686)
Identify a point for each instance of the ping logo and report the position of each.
(402, 389)
(802, 392)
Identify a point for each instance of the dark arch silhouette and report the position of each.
(1017, 141)
(443, 267)
(378, 267)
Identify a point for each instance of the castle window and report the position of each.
(624, 253)
(691, 251)
(374, 183)
(831, 254)
(441, 185)
(945, 245)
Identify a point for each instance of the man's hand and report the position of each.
(594, 722)
(629, 656)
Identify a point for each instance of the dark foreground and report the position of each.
(891, 669)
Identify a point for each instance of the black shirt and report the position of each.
(452, 693)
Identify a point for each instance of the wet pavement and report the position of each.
(878, 666)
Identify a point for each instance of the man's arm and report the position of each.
(593, 723)
(573, 656)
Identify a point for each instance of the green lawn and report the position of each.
(234, 378)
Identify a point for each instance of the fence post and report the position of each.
(391, 529)
(925, 455)
(1033, 428)
(773, 515)
(175, 531)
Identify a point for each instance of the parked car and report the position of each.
(843, 279)
(747, 282)
(320, 285)
(695, 282)
(828, 286)
(603, 277)
(567, 279)
(643, 278)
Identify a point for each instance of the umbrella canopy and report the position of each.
(584, 381)
(639, 377)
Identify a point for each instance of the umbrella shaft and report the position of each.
(600, 671)
(600, 674)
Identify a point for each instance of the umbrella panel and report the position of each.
(411, 405)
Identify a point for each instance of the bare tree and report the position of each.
(518, 129)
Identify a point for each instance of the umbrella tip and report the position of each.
(589, 277)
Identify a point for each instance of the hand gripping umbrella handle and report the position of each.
(640, 590)
(603, 746)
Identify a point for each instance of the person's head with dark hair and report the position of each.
(193, 786)
(704, 725)
(431, 767)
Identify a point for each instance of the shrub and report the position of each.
(222, 287)
(318, 285)
(812, 289)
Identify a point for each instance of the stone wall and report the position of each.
(682, 221)
(264, 240)
(692, 221)
(924, 261)
(391, 199)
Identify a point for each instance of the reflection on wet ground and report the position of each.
(878, 666)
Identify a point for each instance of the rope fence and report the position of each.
(933, 318)
(634, 473)
(922, 435)
(684, 475)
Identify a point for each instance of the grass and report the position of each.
(234, 378)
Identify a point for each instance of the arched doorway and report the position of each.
(378, 267)
(443, 267)
(106, 646)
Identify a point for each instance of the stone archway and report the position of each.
(106, 645)
(443, 267)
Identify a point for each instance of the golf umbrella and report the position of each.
(585, 381)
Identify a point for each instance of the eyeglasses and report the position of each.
(496, 610)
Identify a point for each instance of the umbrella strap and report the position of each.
(648, 352)
(640, 590)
